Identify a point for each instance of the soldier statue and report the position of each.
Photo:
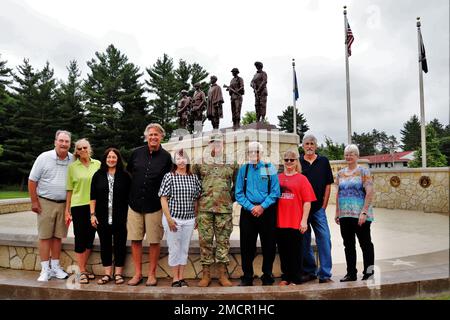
(215, 219)
(214, 106)
(259, 85)
(198, 103)
(184, 106)
(236, 90)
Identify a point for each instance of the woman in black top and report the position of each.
(109, 206)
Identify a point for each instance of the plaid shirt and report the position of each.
(182, 191)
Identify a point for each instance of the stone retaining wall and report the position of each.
(15, 205)
(408, 189)
(27, 258)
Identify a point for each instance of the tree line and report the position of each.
(378, 142)
(116, 100)
(110, 107)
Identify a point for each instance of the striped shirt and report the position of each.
(182, 191)
(50, 173)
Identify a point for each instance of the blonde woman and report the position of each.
(79, 178)
(292, 218)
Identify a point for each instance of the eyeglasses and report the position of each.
(289, 160)
(84, 148)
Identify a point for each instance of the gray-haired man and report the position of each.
(47, 188)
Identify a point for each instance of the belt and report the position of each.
(57, 201)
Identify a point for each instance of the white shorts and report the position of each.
(178, 242)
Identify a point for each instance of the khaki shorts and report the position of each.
(50, 221)
(148, 224)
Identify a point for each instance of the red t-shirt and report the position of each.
(295, 190)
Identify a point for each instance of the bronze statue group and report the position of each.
(193, 107)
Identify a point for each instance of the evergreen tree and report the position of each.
(117, 110)
(70, 103)
(331, 150)
(434, 156)
(250, 117)
(6, 100)
(366, 143)
(438, 127)
(165, 84)
(411, 134)
(31, 127)
(286, 122)
(444, 147)
(164, 87)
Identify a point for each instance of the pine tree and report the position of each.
(164, 88)
(6, 100)
(70, 103)
(438, 127)
(31, 127)
(286, 122)
(331, 150)
(411, 134)
(434, 156)
(366, 143)
(117, 110)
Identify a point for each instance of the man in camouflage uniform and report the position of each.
(236, 90)
(215, 208)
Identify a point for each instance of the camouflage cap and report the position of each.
(184, 91)
(216, 137)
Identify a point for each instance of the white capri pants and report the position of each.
(179, 241)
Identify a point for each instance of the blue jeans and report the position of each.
(318, 222)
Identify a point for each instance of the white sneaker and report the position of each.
(58, 272)
(45, 275)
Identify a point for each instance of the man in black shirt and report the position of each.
(318, 171)
(147, 165)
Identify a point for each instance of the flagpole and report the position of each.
(294, 129)
(422, 108)
(347, 79)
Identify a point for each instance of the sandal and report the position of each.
(84, 279)
(135, 281)
(118, 278)
(90, 275)
(105, 279)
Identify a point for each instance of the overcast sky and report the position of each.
(236, 33)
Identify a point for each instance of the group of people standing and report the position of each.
(159, 194)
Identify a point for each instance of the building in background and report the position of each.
(394, 160)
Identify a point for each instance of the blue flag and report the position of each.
(296, 96)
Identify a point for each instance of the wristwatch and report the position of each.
(92, 214)
(364, 213)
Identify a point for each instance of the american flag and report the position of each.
(349, 39)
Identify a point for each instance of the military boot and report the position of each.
(223, 276)
(206, 277)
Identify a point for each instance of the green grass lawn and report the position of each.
(13, 194)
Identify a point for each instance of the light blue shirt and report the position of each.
(257, 186)
(50, 173)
